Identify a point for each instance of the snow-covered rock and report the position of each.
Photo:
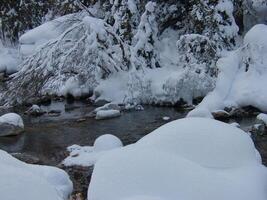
(107, 114)
(19, 180)
(242, 78)
(88, 155)
(189, 159)
(262, 117)
(107, 142)
(108, 106)
(35, 110)
(11, 124)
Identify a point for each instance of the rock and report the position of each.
(27, 158)
(54, 113)
(35, 110)
(81, 120)
(107, 114)
(139, 108)
(10, 129)
(221, 115)
(11, 124)
(238, 113)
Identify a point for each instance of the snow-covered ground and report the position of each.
(19, 180)
(189, 159)
(242, 78)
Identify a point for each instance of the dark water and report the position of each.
(48, 137)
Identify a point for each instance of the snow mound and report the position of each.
(88, 155)
(13, 119)
(242, 78)
(107, 142)
(189, 159)
(19, 180)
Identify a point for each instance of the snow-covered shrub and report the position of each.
(85, 52)
(242, 77)
(186, 159)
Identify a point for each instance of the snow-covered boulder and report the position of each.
(88, 155)
(35, 110)
(262, 117)
(11, 124)
(107, 114)
(108, 106)
(189, 159)
(19, 180)
(242, 78)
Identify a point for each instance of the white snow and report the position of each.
(88, 155)
(9, 59)
(263, 117)
(188, 159)
(19, 180)
(13, 119)
(107, 114)
(35, 38)
(242, 79)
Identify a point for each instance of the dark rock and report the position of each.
(10, 129)
(27, 158)
(221, 115)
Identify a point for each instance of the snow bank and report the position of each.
(13, 119)
(242, 78)
(9, 59)
(189, 159)
(19, 180)
(88, 155)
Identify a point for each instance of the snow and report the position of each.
(13, 119)
(107, 114)
(107, 142)
(88, 155)
(263, 117)
(33, 39)
(19, 180)
(189, 159)
(242, 77)
(9, 59)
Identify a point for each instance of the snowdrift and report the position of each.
(189, 159)
(19, 180)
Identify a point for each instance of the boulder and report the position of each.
(11, 124)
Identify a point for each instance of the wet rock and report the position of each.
(237, 112)
(27, 158)
(221, 115)
(81, 120)
(54, 113)
(10, 129)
